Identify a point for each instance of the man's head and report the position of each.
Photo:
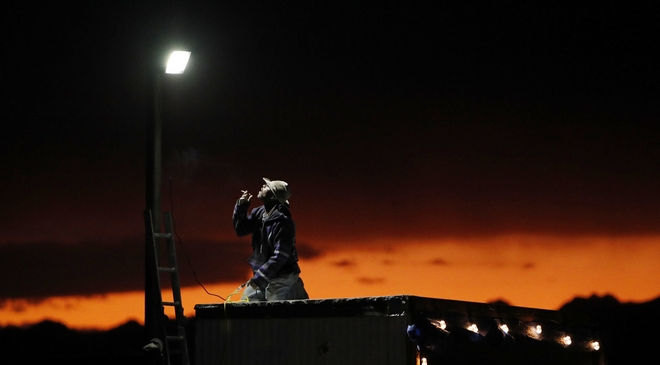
(275, 190)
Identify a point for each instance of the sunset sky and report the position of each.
(499, 152)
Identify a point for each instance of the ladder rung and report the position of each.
(167, 269)
(172, 304)
(162, 235)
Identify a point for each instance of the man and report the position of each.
(274, 259)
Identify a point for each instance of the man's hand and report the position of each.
(245, 198)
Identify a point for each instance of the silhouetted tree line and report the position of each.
(629, 331)
(49, 341)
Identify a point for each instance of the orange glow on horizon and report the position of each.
(527, 271)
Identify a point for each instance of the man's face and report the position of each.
(265, 192)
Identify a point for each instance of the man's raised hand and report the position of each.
(245, 198)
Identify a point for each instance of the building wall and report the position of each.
(304, 341)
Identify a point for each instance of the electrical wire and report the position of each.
(186, 254)
(235, 292)
(243, 298)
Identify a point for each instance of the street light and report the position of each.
(176, 65)
(177, 62)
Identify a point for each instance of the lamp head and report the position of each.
(177, 62)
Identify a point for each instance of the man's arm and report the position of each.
(244, 223)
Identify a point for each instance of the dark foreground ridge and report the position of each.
(629, 334)
(48, 342)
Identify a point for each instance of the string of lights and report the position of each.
(442, 335)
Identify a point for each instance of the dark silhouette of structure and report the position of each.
(628, 335)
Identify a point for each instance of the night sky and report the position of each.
(392, 122)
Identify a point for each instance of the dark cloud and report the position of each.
(344, 263)
(19, 305)
(370, 281)
(39, 270)
(439, 262)
(546, 124)
(307, 251)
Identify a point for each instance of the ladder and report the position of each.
(174, 342)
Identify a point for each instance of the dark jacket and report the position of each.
(273, 241)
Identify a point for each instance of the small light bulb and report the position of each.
(539, 329)
(439, 324)
(595, 345)
(473, 328)
(504, 328)
(424, 361)
(566, 340)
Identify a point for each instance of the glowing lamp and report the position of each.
(566, 340)
(177, 62)
(441, 324)
(473, 327)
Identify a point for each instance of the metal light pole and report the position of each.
(175, 65)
